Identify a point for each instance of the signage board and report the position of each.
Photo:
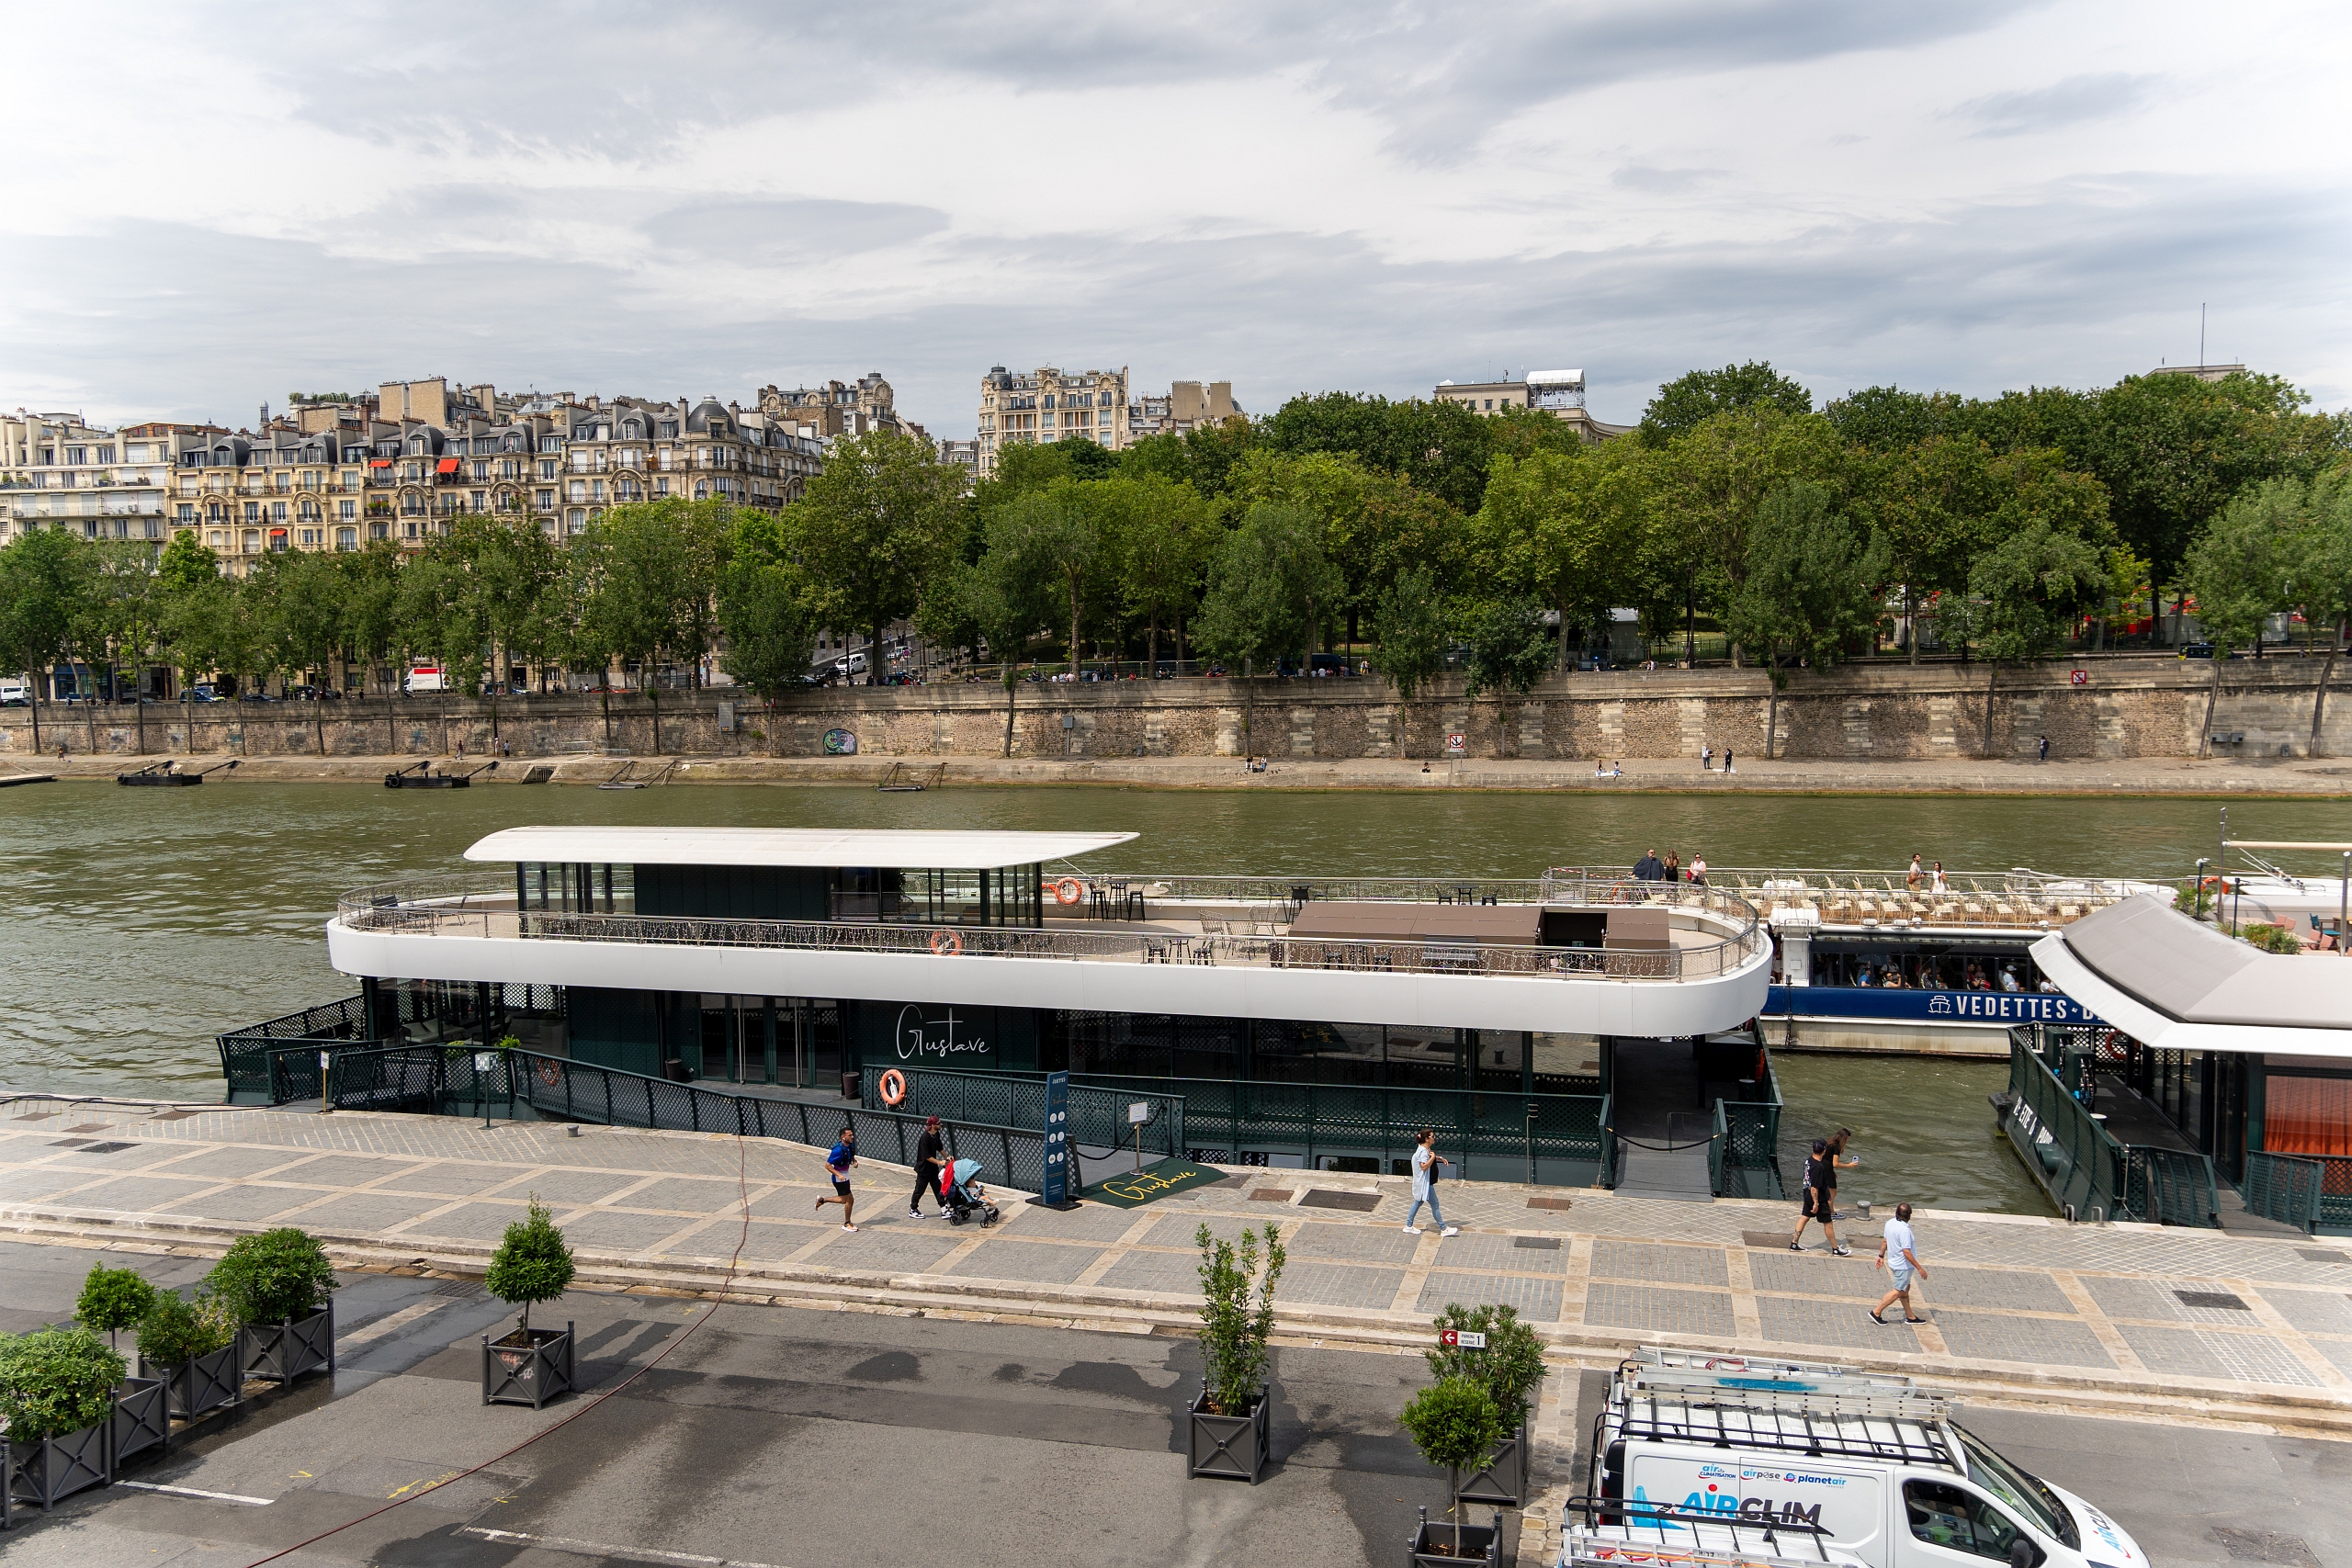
(1457, 743)
(1139, 1114)
(2079, 677)
(1462, 1339)
(1056, 1183)
(1927, 1007)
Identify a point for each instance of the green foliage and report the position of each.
(113, 1299)
(762, 608)
(186, 564)
(1235, 1327)
(273, 1277)
(1690, 399)
(174, 1330)
(1269, 587)
(56, 1381)
(1455, 1424)
(1566, 527)
(1812, 581)
(1440, 448)
(2272, 939)
(2027, 588)
(533, 1263)
(1510, 1368)
(1410, 620)
(881, 521)
(1509, 649)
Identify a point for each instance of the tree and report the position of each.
(2321, 574)
(2279, 543)
(1234, 1327)
(1510, 650)
(371, 598)
(763, 607)
(533, 1263)
(1006, 596)
(1455, 1424)
(1161, 530)
(2026, 590)
(1886, 420)
(1061, 531)
(1510, 1368)
(657, 579)
(1812, 587)
(112, 1300)
(872, 528)
(1690, 399)
(1440, 447)
(1564, 527)
(1928, 503)
(1409, 622)
(44, 597)
(1269, 586)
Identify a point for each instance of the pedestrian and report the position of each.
(2042, 747)
(461, 748)
(930, 1155)
(1673, 867)
(1698, 871)
(1426, 1159)
(1912, 879)
(1809, 1198)
(838, 1160)
(1727, 767)
(1898, 1254)
(1649, 868)
(1941, 888)
(1707, 757)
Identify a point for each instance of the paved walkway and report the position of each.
(2128, 1316)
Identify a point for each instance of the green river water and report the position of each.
(137, 924)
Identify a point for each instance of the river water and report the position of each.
(139, 925)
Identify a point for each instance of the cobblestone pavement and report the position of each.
(2123, 1306)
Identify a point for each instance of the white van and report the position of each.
(14, 693)
(1883, 1469)
(425, 678)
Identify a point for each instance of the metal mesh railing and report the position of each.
(453, 1080)
(1993, 900)
(2285, 1188)
(2172, 1187)
(1098, 1117)
(2086, 1171)
(262, 1064)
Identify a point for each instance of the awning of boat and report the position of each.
(896, 847)
(2175, 983)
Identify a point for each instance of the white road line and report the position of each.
(391, 1321)
(193, 1492)
(604, 1549)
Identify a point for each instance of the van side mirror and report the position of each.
(2023, 1554)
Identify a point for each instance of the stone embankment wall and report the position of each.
(2123, 708)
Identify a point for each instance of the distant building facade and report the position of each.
(57, 471)
(1049, 404)
(1559, 393)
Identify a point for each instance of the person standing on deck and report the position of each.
(1911, 880)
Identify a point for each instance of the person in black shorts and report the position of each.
(1820, 1198)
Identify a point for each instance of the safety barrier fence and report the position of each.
(2086, 1171)
(1744, 1161)
(263, 1063)
(455, 1080)
(2285, 1188)
(1098, 1117)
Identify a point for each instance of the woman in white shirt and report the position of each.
(1426, 1159)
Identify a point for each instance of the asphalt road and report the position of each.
(793, 1438)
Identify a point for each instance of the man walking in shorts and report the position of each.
(1898, 1257)
(1820, 1199)
(838, 1163)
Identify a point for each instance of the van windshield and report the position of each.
(2029, 1496)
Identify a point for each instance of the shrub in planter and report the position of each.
(277, 1284)
(112, 1300)
(1454, 1422)
(57, 1394)
(1510, 1368)
(193, 1347)
(533, 1264)
(1231, 1421)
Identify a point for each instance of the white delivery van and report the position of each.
(14, 693)
(1884, 1471)
(425, 678)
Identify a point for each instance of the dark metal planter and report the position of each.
(204, 1385)
(527, 1374)
(1233, 1447)
(142, 1417)
(1503, 1483)
(1433, 1544)
(280, 1352)
(55, 1468)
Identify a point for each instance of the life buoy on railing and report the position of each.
(894, 1087)
(946, 943)
(550, 1074)
(1069, 890)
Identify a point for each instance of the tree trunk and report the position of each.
(1249, 709)
(32, 703)
(1911, 617)
(318, 721)
(1073, 628)
(1771, 715)
(2212, 695)
(1564, 636)
(654, 696)
(1011, 690)
(1690, 622)
(604, 691)
(2319, 698)
(1992, 675)
(1152, 644)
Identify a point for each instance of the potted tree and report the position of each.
(195, 1349)
(1454, 1422)
(528, 1366)
(1509, 1369)
(1231, 1432)
(277, 1283)
(111, 1301)
(57, 1396)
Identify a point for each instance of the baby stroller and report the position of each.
(961, 1192)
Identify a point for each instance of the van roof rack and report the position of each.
(1905, 1426)
(1606, 1528)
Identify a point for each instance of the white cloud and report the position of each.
(1294, 198)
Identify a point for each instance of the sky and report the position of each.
(211, 206)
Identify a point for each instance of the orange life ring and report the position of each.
(894, 1087)
(946, 943)
(1069, 890)
(550, 1074)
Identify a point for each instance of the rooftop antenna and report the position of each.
(2200, 336)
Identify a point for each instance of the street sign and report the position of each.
(1138, 1114)
(2079, 677)
(1462, 1339)
(1457, 742)
(1056, 1192)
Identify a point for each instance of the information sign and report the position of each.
(1457, 743)
(1056, 1192)
(1462, 1339)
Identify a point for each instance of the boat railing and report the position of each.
(447, 907)
(1294, 891)
(2000, 900)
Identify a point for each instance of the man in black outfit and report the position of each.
(931, 1155)
(1649, 868)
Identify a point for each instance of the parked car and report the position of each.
(203, 693)
(854, 665)
(2202, 650)
(15, 694)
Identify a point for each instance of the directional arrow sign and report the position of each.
(1462, 1339)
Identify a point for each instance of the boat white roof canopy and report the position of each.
(2172, 982)
(943, 849)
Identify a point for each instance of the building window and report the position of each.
(185, 512)
(347, 538)
(277, 512)
(545, 500)
(347, 509)
(154, 528)
(253, 511)
(380, 530)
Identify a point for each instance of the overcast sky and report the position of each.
(207, 206)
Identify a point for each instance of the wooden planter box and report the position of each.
(142, 1418)
(56, 1468)
(528, 1374)
(1481, 1544)
(1232, 1448)
(204, 1385)
(280, 1352)
(1503, 1483)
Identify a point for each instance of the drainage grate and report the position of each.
(37, 1116)
(71, 1143)
(2212, 1301)
(1537, 1243)
(107, 1148)
(1553, 1203)
(173, 1115)
(1326, 1198)
(2321, 1255)
(459, 1290)
(2265, 1545)
(93, 1127)
(1270, 1195)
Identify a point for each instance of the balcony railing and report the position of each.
(483, 906)
(2004, 900)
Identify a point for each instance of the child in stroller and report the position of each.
(962, 1195)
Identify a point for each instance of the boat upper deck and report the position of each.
(2019, 899)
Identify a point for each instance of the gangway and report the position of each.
(627, 777)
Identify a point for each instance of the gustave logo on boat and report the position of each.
(918, 1037)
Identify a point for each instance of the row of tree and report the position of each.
(1419, 533)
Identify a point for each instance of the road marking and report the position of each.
(604, 1549)
(193, 1492)
(391, 1321)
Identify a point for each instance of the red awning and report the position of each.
(379, 462)
(277, 533)
(448, 465)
